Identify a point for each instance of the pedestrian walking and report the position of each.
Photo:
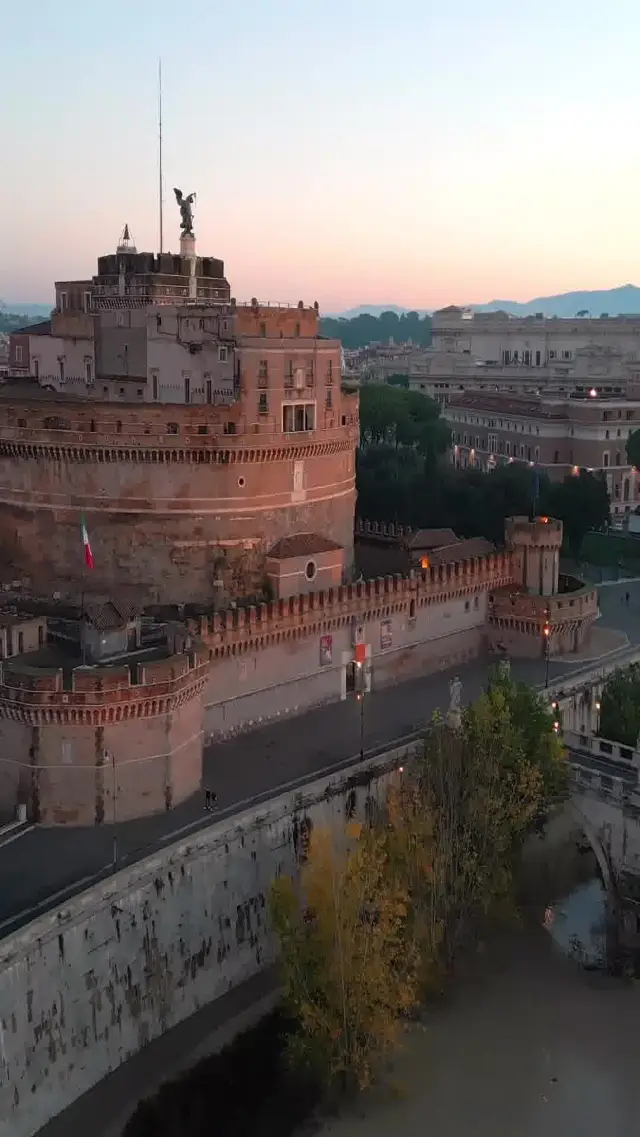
(210, 799)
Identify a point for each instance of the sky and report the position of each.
(349, 151)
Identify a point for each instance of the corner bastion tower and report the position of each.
(206, 443)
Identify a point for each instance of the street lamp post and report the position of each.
(115, 830)
(360, 693)
(547, 651)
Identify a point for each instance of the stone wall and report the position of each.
(101, 744)
(85, 988)
(174, 497)
(283, 658)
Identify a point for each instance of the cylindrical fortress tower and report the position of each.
(179, 508)
(538, 542)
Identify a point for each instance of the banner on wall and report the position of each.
(326, 650)
(386, 635)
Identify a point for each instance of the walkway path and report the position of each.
(46, 866)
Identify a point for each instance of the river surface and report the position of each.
(530, 1044)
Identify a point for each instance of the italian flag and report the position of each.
(88, 555)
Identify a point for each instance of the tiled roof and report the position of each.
(110, 616)
(431, 538)
(461, 551)
(302, 545)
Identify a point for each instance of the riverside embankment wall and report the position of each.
(85, 988)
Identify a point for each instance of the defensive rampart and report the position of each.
(279, 659)
(101, 744)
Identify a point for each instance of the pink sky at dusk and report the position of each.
(351, 154)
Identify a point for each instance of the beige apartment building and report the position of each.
(560, 434)
(530, 341)
(440, 375)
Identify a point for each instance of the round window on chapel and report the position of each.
(311, 570)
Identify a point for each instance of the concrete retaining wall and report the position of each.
(87, 987)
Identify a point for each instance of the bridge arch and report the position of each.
(590, 832)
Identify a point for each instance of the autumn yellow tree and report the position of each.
(350, 969)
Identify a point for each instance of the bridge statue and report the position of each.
(454, 714)
(186, 212)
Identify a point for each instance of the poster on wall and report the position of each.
(386, 636)
(326, 650)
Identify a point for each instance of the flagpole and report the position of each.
(82, 586)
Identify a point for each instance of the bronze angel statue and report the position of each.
(186, 212)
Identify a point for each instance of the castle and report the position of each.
(209, 448)
(192, 432)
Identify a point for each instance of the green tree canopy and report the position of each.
(366, 329)
(633, 448)
(394, 416)
(620, 707)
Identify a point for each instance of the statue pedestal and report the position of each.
(188, 245)
(454, 719)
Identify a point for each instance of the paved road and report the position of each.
(46, 866)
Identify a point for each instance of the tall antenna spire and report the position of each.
(160, 187)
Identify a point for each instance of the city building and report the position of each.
(560, 435)
(191, 432)
(530, 341)
(440, 375)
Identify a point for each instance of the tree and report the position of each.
(394, 416)
(366, 329)
(581, 502)
(633, 448)
(458, 819)
(620, 707)
(350, 971)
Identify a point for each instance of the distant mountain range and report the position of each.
(374, 310)
(612, 301)
(17, 308)
(622, 301)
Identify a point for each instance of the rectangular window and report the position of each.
(154, 385)
(87, 301)
(605, 458)
(61, 369)
(329, 400)
(297, 330)
(288, 375)
(36, 368)
(330, 371)
(187, 388)
(18, 353)
(298, 417)
(223, 353)
(64, 299)
(537, 359)
(263, 331)
(263, 404)
(87, 371)
(263, 369)
(493, 443)
(310, 373)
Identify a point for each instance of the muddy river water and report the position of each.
(530, 1043)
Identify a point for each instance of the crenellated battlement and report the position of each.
(101, 694)
(388, 530)
(259, 626)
